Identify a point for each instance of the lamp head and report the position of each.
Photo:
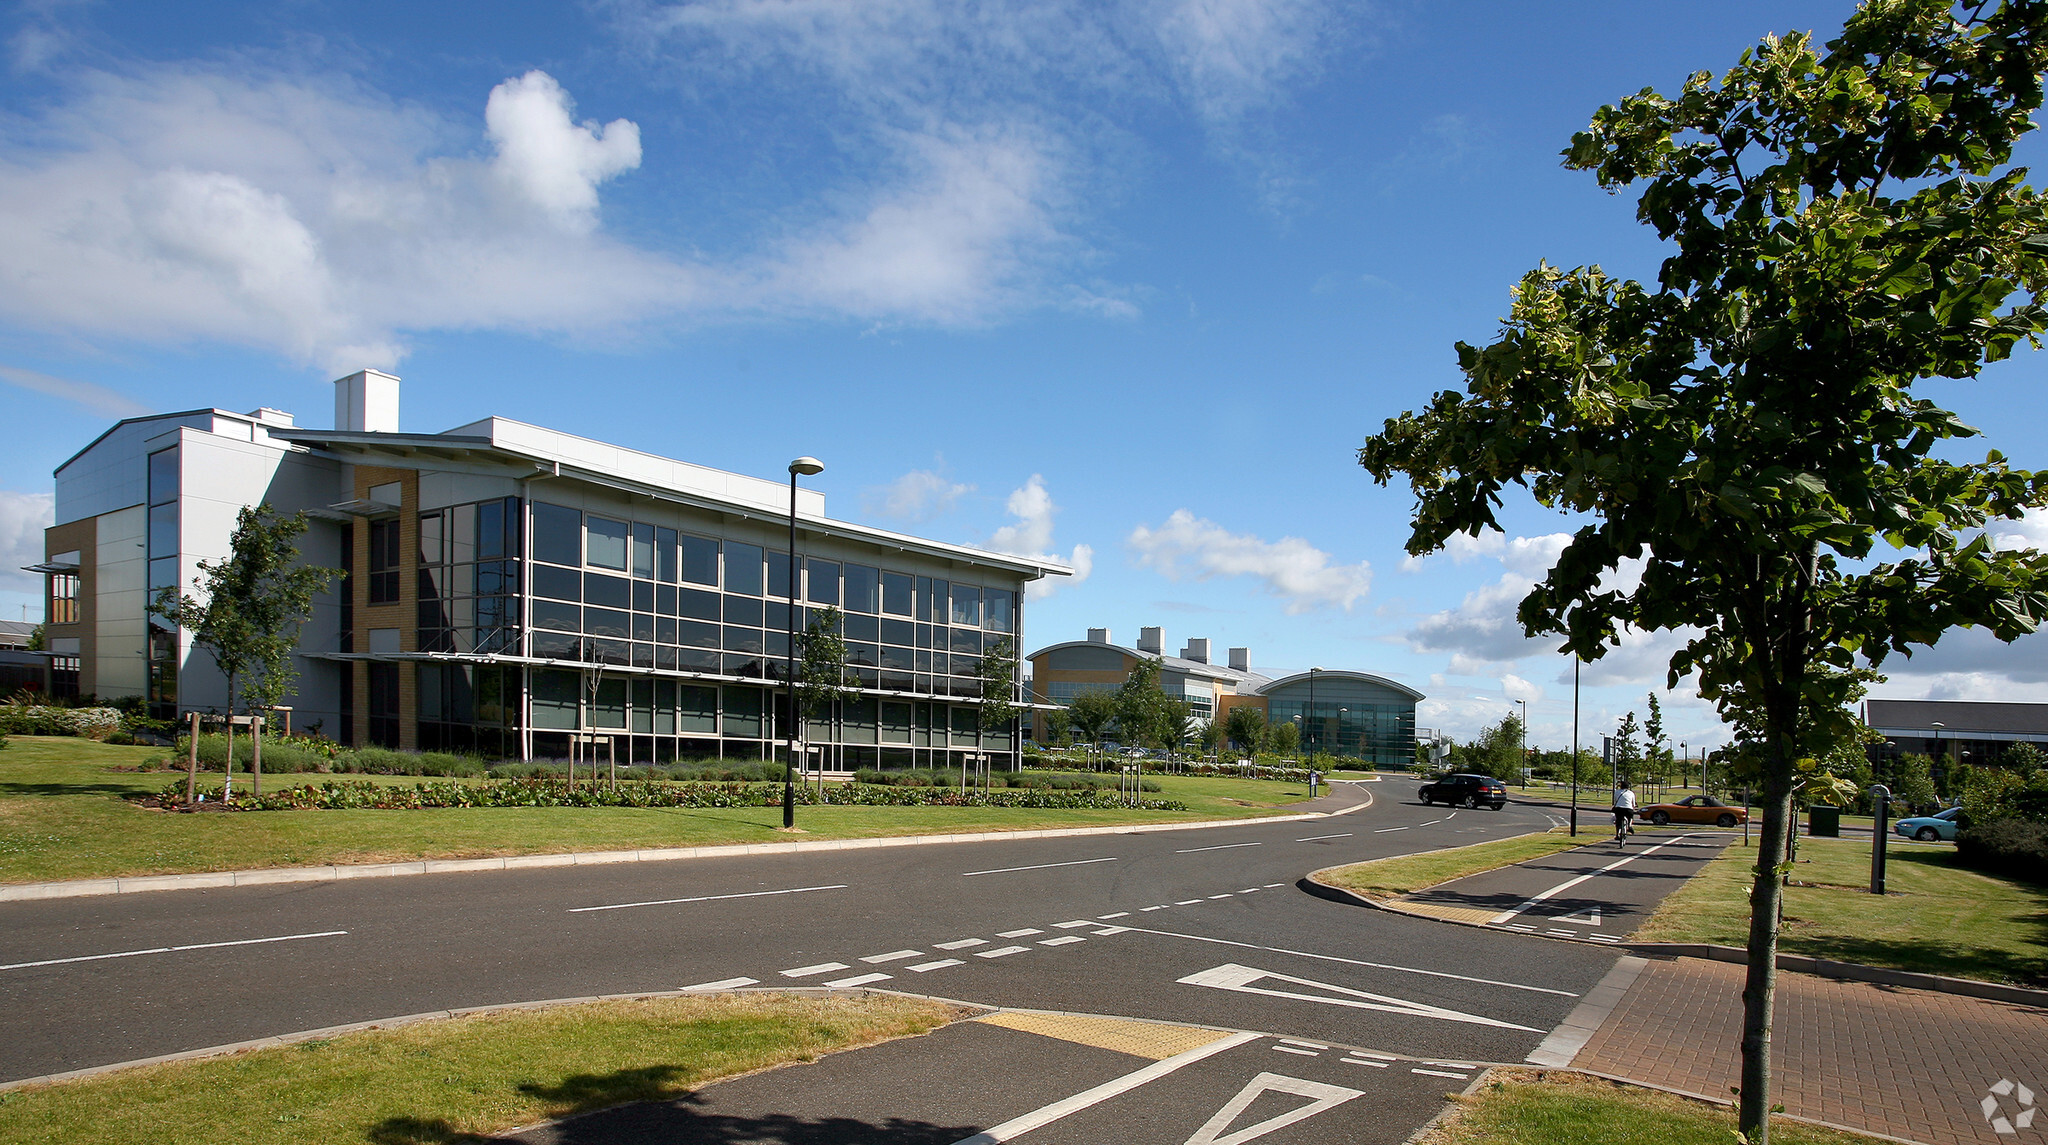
(807, 466)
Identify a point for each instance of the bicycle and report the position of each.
(1622, 829)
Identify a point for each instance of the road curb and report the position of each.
(80, 888)
(1797, 963)
(403, 1020)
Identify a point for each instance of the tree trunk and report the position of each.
(192, 766)
(256, 757)
(1766, 897)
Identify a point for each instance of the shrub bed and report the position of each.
(339, 795)
(939, 777)
(2012, 847)
(43, 720)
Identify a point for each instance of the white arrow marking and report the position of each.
(1587, 917)
(1231, 976)
(1324, 1097)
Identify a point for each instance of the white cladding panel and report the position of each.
(120, 590)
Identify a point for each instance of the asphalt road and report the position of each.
(1204, 927)
(1598, 892)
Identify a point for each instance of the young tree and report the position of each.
(1283, 738)
(1210, 736)
(246, 612)
(1056, 727)
(997, 677)
(1653, 736)
(1628, 758)
(1145, 714)
(1181, 722)
(1246, 725)
(1843, 223)
(1092, 713)
(822, 675)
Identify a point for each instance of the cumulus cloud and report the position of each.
(1529, 556)
(98, 399)
(1031, 536)
(918, 495)
(553, 161)
(23, 517)
(1290, 568)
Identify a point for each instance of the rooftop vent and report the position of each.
(1240, 659)
(1098, 636)
(1152, 640)
(1197, 650)
(366, 402)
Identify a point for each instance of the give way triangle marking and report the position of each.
(1587, 917)
(1231, 976)
(1324, 1097)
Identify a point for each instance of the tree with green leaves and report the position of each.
(1653, 738)
(1283, 737)
(1843, 222)
(1092, 713)
(996, 677)
(246, 612)
(1055, 728)
(1145, 713)
(1246, 727)
(1182, 725)
(1210, 736)
(823, 678)
(1627, 757)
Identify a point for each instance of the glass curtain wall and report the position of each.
(162, 543)
(1349, 718)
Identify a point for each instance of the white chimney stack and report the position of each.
(1240, 659)
(1098, 636)
(366, 402)
(1152, 640)
(1197, 650)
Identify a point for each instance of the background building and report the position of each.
(504, 587)
(1975, 731)
(1355, 714)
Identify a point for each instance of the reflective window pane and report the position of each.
(778, 574)
(605, 542)
(863, 588)
(562, 584)
(700, 560)
(697, 605)
(896, 594)
(557, 534)
(999, 610)
(609, 591)
(665, 555)
(967, 605)
(822, 586)
(643, 551)
(743, 568)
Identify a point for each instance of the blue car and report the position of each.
(1928, 828)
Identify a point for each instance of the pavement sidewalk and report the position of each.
(1911, 1064)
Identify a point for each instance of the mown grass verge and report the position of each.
(1523, 1107)
(452, 1081)
(1938, 917)
(1392, 878)
(66, 813)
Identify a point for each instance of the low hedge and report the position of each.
(2012, 847)
(45, 720)
(340, 795)
(940, 777)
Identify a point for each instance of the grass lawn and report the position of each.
(448, 1081)
(1392, 878)
(1937, 917)
(64, 815)
(1523, 1107)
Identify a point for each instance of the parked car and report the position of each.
(1694, 809)
(1928, 828)
(1466, 791)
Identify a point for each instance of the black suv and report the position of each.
(1466, 791)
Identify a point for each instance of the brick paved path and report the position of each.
(1908, 1063)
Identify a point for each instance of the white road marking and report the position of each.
(893, 956)
(1275, 885)
(1313, 838)
(1292, 1050)
(1431, 823)
(1587, 917)
(1218, 847)
(1151, 908)
(1078, 922)
(1119, 914)
(1358, 1061)
(1305, 1044)
(1355, 962)
(1570, 883)
(1024, 933)
(1039, 867)
(1384, 830)
(704, 898)
(1224, 895)
(1188, 902)
(725, 984)
(820, 968)
(1451, 816)
(960, 943)
(1249, 891)
(1562, 933)
(172, 949)
(1370, 1054)
(1111, 930)
(1000, 951)
(858, 980)
(1323, 1095)
(1046, 1115)
(1062, 940)
(1442, 1073)
(1231, 976)
(1603, 938)
(941, 964)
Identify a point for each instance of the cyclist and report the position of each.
(1624, 812)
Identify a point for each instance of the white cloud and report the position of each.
(552, 160)
(1031, 536)
(23, 517)
(1234, 55)
(1290, 568)
(1532, 557)
(98, 399)
(1516, 688)
(918, 495)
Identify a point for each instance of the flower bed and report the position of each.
(361, 795)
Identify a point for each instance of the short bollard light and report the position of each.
(1880, 809)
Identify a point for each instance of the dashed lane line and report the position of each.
(1062, 940)
(893, 956)
(172, 949)
(960, 943)
(941, 964)
(1217, 847)
(725, 984)
(1039, 867)
(1313, 838)
(1025, 932)
(1119, 914)
(1357, 962)
(705, 898)
(1384, 830)
(1001, 951)
(858, 980)
(820, 968)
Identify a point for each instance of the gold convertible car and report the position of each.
(1694, 809)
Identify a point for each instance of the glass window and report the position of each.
(700, 560)
(896, 595)
(899, 632)
(895, 722)
(697, 709)
(605, 542)
(665, 555)
(743, 568)
(696, 634)
(562, 584)
(561, 617)
(384, 561)
(163, 476)
(63, 598)
(743, 610)
(863, 588)
(861, 628)
(743, 712)
(490, 530)
(163, 530)
(556, 697)
(925, 588)
(643, 596)
(998, 610)
(778, 574)
(608, 707)
(643, 551)
(461, 533)
(966, 642)
(557, 534)
(643, 706)
(743, 640)
(606, 622)
(430, 539)
(609, 591)
(697, 605)
(967, 605)
(665, 600)
(823, 586)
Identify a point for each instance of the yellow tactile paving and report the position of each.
(1155, 1040)
(1441, 910)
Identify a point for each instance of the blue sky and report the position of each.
(1126, 283)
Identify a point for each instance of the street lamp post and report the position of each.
(1937, 726)
(1575, 745)
(808, 467)
(1524, 777)
(1313, 738)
